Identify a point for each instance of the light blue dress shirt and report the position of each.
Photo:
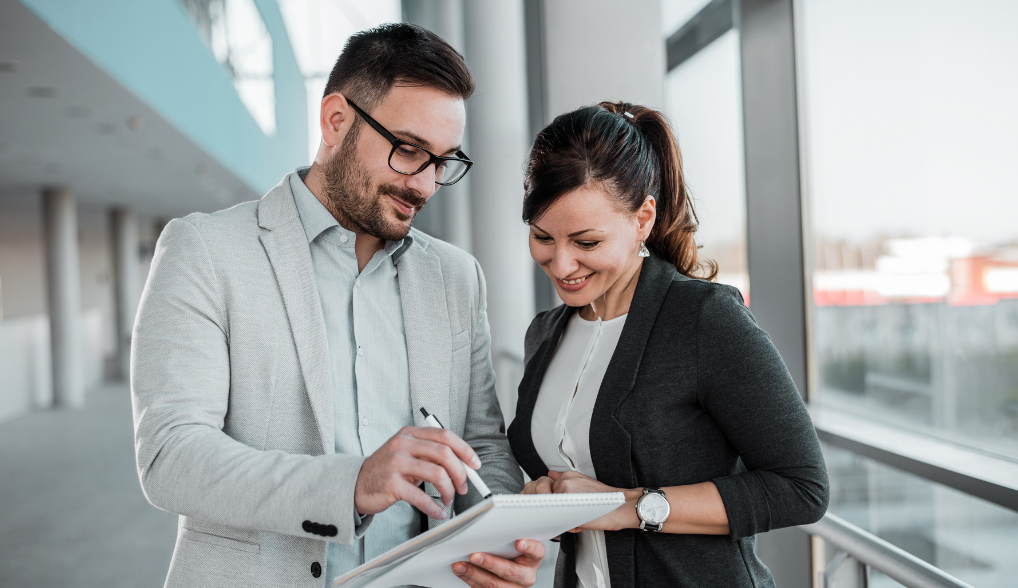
(367, 350)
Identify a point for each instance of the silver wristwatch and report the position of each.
(653, 509)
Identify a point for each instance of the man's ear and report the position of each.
(335, 118)
(646, 215)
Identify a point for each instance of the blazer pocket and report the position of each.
(200, 537)
(460, 340)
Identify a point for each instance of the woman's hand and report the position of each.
(541, 485)
(623, 517)
(697, 509)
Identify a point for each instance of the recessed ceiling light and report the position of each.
(135, 123)
(9, 65)
(42, 92)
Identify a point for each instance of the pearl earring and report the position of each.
(643, 249)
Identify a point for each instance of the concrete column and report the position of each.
(64, 286)
(447, 215)
(124, 226)
(497, 125)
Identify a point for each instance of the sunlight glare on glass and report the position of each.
(318, 30)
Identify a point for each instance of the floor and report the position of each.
(71, 509)
(73, 513)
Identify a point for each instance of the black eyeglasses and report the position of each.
(409, 159)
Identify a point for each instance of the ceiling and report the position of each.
(66, 122)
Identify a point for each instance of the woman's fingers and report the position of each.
(541, 485)
(566, 482)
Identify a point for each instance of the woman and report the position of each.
(648, 380)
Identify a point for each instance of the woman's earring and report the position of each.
(643, 249)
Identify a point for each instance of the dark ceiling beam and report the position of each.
(713, 20)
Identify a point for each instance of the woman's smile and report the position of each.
(574, 284)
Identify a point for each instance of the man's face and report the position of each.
(365, 194)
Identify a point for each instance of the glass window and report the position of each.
(236, 34)
(971, 539)
(318, 30)
(910, 139)
(703, 98)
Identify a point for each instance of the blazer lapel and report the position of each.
(287, 248)
(428, 331)
(519, 433)
(609, 442)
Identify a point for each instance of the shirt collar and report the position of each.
(313, 214)
(317, 219)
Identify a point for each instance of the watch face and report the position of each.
(654, 508)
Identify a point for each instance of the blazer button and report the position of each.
(316, 569)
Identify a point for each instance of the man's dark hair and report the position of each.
(375, 60)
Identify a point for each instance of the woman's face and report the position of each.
(585, 243)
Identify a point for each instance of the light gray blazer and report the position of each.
(232, 391)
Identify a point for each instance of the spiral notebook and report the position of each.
(490, 526)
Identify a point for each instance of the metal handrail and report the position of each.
(881, 555)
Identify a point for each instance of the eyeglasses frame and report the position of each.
(396, 142)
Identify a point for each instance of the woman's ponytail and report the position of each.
(673, 234)
(631, 151)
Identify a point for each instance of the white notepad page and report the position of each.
(491, 526)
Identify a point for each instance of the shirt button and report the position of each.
(364, 420)
(343, 238)
(360, 350)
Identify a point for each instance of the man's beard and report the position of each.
(356, 204)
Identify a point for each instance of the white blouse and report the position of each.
(561, 423)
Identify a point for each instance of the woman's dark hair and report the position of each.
(375, 60)
(630, 152)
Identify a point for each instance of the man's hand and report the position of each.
(412, 456)
(489, 571)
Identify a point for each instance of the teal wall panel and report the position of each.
(153, 50)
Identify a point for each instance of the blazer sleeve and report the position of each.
(746, 388)
(485, 428)
(180, 389)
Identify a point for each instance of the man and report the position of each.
(283, 348)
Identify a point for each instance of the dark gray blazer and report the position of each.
(695, 391)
